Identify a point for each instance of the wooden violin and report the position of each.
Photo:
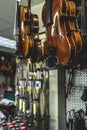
(34, 29)
(75, 33)
(26, 31)
(34, 33)
(63, 20)
(26, 39)
(56, 33)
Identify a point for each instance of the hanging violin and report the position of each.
(34, 29)
(63, 19)
(75, 33)
(57, 38)
(26, 39)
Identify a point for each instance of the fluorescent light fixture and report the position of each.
(7, 43)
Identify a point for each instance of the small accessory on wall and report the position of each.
(84, 96)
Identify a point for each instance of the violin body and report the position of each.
(75, 33)
(63, 20)
(26, 32)
(57, 38)
(26, 39)
(34, 29)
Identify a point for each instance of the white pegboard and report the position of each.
(81, 77)
(74, 100)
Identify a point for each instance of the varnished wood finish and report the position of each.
(71, 26)
(63, 20)
(63, 7)
(25, 39)
(55, 36)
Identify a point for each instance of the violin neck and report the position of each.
(48, 12)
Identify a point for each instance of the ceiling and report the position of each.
(7, 14)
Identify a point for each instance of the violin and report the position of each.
(26, 32)
(71, 27)
(34, 29)
(26, 39)
(36, 50)
(57, 41)
(63, 20)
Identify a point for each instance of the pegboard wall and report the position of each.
(81, 77)
(79, 83)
